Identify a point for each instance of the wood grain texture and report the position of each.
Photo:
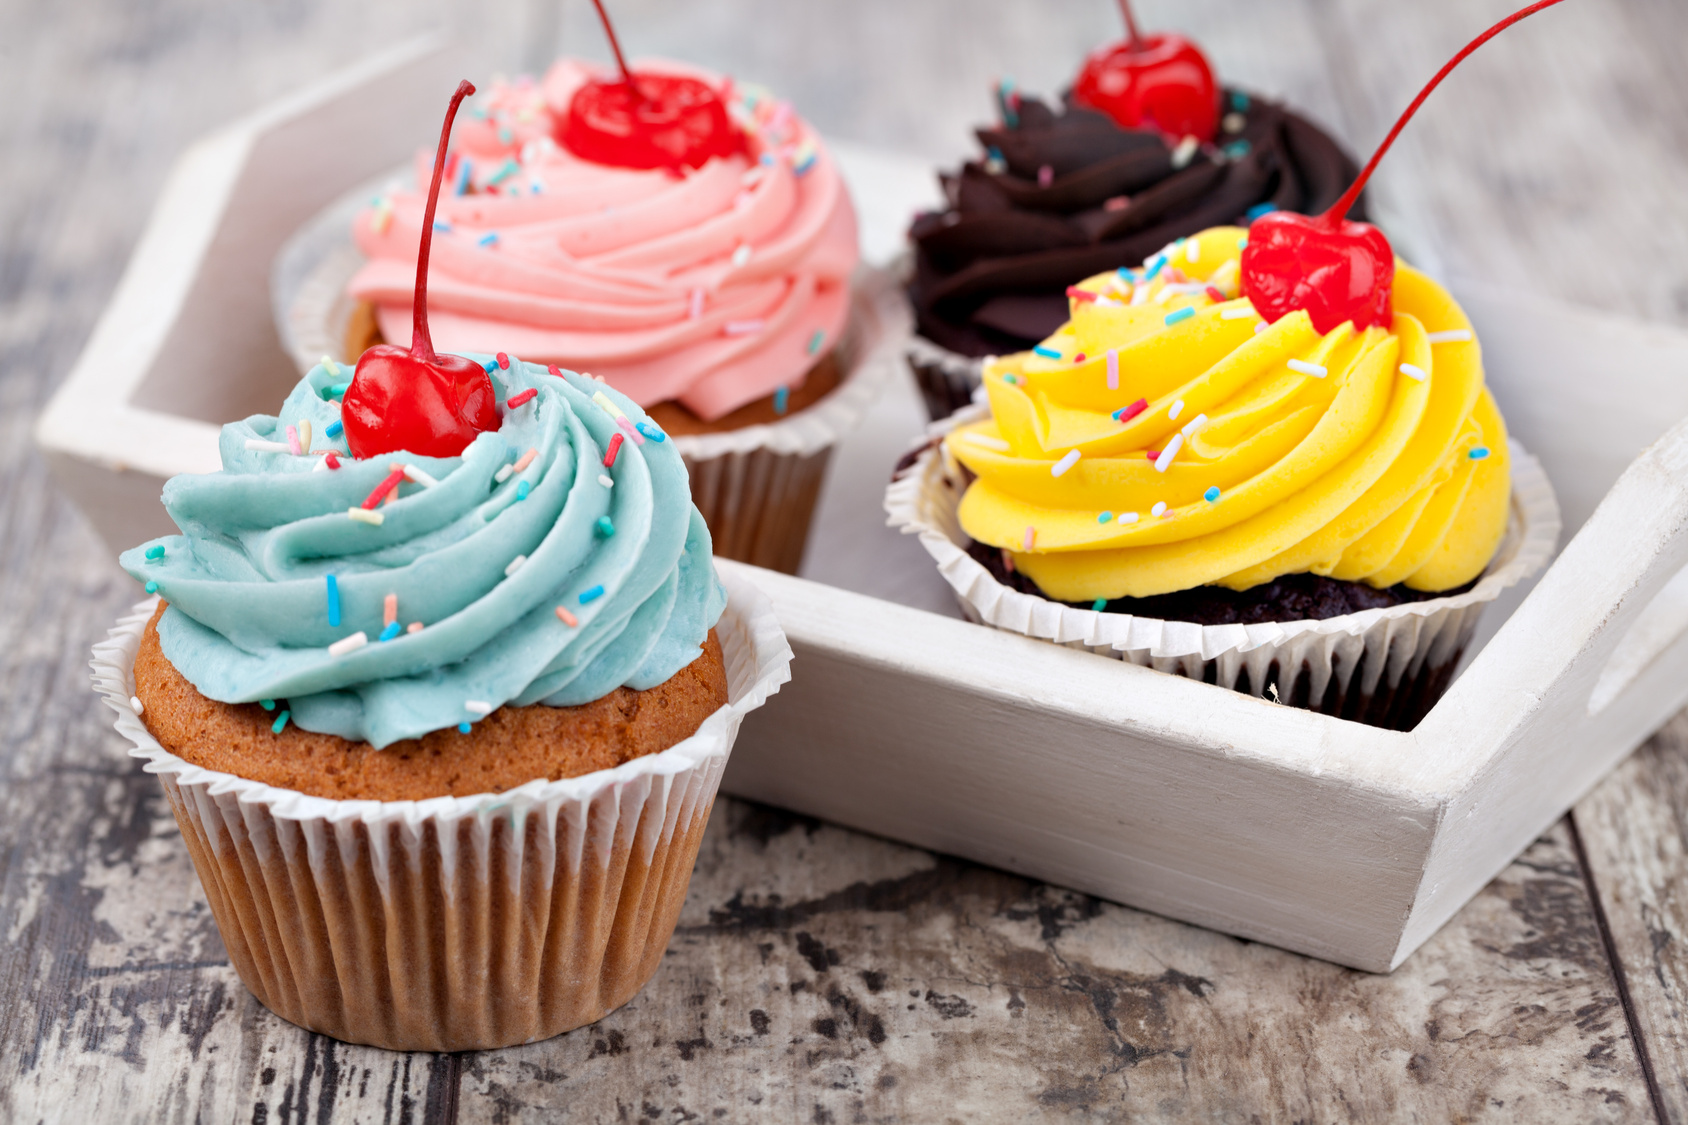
(821, 974)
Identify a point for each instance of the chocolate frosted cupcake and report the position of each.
(1061, 195)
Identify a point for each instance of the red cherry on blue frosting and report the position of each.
(647, 120)
(1158, 82)
(416, 400)
(1334, 269)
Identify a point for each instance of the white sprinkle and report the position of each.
(1306, 368)
(515, 565)
(321, 466)
(305, 434)
(1167, 292)
(1168, 454)
(1126, 517)
(1177, 409)
(1194, 425)
(1185, 150)
(257, 446)
(1064, 463)
(605, 481)
(1159, 508)
(741, 327)
(1236, 312)
(415, 474)
(987, 441)
(1414, 371)
(1113, 369)
(348, 644)
(504, 474)
(1451, 336)
(742, 254)
(1193, 250)
(753, 176)
(135, 704)
(1140, 294)
(477, 706)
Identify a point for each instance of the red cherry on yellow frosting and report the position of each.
(416, 400)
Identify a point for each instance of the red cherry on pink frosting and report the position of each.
(1158, 82)
(1334, 269)
(647, 120)
(416, 400)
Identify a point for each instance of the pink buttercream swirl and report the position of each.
(714, 288)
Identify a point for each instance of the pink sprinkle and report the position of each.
(389, 609)
(1078, 358)
(1113, 369)
(522, 399)
(525, 460)
(504, 361)
(1045, 176)
(553, 369)
(1175, 276)
(413, 627)
(1134, 410)
(627, 425)
(1078, 294)
(615, 447)
(1117, 203)
(1154, 455)
(697, 304)
(1215, 295)
(566, 617)
(1008, 562)
(332, 459)
(1031, 536)
(741, 327)
(293, 441)
(383, 488)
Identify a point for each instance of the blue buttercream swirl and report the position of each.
(248, 579)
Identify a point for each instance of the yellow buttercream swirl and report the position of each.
(1375, 456)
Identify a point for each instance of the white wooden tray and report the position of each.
(1316, 834)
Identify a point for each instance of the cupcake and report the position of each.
(1143, 150)
(440, 681)
(1297, 508)
(705, 275)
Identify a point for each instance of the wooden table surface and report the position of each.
(819, 974)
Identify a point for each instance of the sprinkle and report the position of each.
(1193, 250)
(1215, 295)
(649, 430)
(151, 587)
(1127, 413)
(383, 488)
(1065, 463)
(490, 238)
(503, 361)
(696, 308)
(806, 157)
(615, 447)
(280, 723)
(553, 369)
(1233, 122)
(1236, 150)
(1104, 517)
(741, 255)
(1029, 538)
(566, 617)
(741, 327)
(1479, 453)
(626, 425)
(155, 553)
(1113, 369)
(462, 178)
(1212, 494)
(1125, 277)
(1185, 151)
(781, 398)
(333, 602)
(608, 405)
(1258, 210)
(1045, 176)
(1236, 312)
(605, 481)
(1099, 605)
(1078, 294)
(383, 217)
(1140, 295)
(334, 429)
(1451, 336)
(364, 515)
(1194, 425)
(1175, 410)
(257, 446)
(1159, 509)
(525, 460)
(1414, 371)
(1046, 353)
(389, 609)
(1011, 380)
(1168, 453)
(348, 644)
(413, 628)
(816, 340)
(135, 704)
(1239, 101)
(603, 527)
(293, 442)
(1154, 267)
(522, 489)
(321, 465)
(305, 434)
(1079, 357)
(477, 707)
(337, 390)
(1126, 517)
(504, 473)
(1259, 328)
(464, 728)
(505, 171)
(1313, 369)
(415, 474)
(392, 630)
(490, 366)
(591, 595)
(442, 227)
(515, 565)
(1153, 455)
(987, 441)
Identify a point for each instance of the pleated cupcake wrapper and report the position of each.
(1384, 666)
(456, 923)
(756, 486)
(947, 380)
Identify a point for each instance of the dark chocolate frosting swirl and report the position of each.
(1074, 194)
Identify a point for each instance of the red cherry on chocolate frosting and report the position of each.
(647, 120)
(417, 400)
(1334, 269)
(1159, 82)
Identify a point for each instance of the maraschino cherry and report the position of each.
(1151, 82)
(647, 120)
(417, 400)
(1335, 269)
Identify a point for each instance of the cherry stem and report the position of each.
(1339, 209)
(421, 344)
(1131, 36)
(615, 46)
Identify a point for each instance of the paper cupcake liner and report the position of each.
(457, 923)
(947, 380)
(1384, 666)
(756, 486)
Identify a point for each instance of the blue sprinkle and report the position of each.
(504, 135)
(333, 603)
(522, 489)
(651, 432)
(816, 340)
(490, 365)
(155, 553)
(1479, 453)
(604, 529)
(442, 227)
(334, 429)
(1099, 605)
(280, 722)
(1181, 314)
(338, 390)
(1155, 265)
(1125, 275)
(1046, 353)
(1258, 210)
(267, 704)
(463, 728)
(781, 398)
(767, 159)
(1239, 101)
(1211, 495)
(389, 632)
(490, 238)
(1236, 150)
(1104, 517)
(505, 171)
(462, 178)
(152, 587)
(591, 595)
(1004, 89)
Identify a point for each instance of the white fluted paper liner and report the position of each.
(456, 923)
(756, 486)
(1411, 647)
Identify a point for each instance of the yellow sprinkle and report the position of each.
(611, 408)
(364, 515)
